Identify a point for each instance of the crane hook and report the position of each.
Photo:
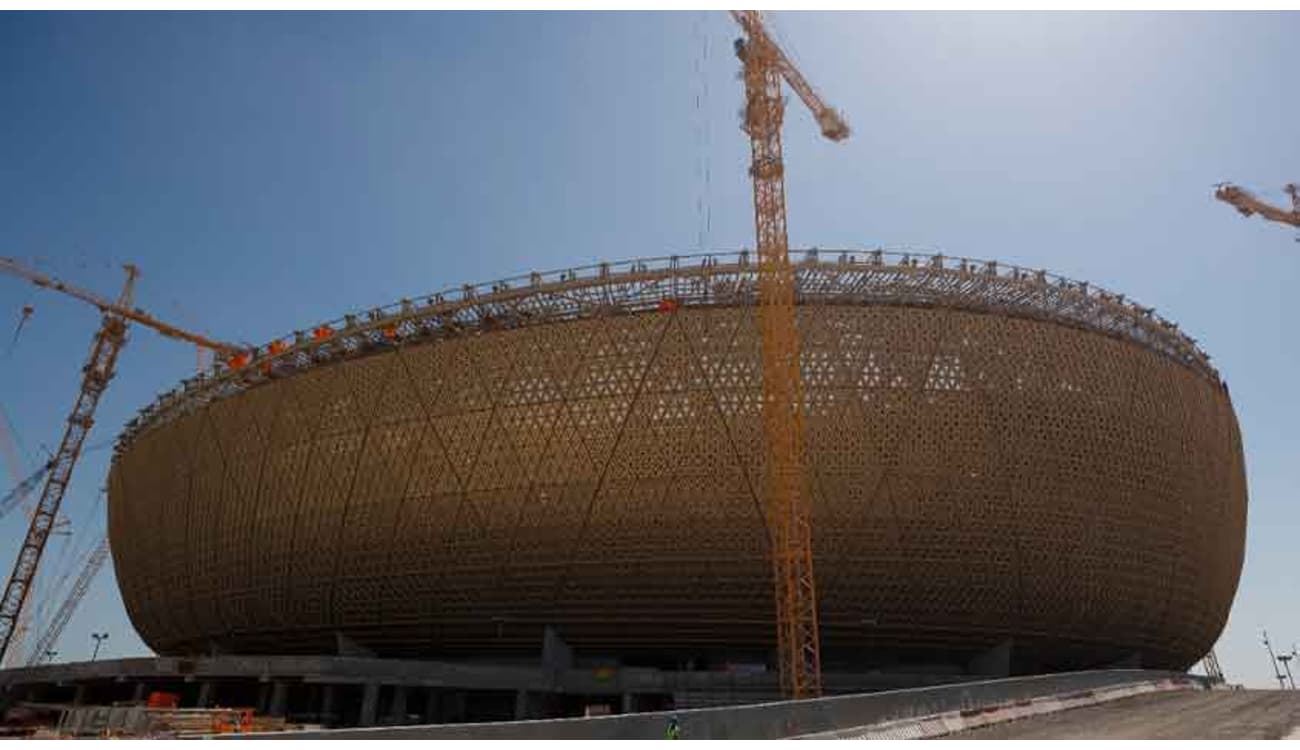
(22, 321)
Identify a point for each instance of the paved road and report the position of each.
(1211, 715)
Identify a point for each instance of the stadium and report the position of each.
(1003, 463)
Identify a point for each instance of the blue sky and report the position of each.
(268, 171)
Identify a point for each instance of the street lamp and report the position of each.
(1281, 681)
(49, 655)
(1286, 662)
(99, 641)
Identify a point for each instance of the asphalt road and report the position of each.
(1211, 715)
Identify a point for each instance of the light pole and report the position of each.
(1281, 681)
(1286, 662)
(49, 655)
(99, 641)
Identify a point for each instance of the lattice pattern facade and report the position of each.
(980, 472)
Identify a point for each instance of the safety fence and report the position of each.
(788, 719)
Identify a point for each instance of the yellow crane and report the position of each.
(787, 500)
(119, 309)
(1248, 205)
(96, 374)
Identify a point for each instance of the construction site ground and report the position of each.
(1213, 715)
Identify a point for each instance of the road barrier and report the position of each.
(787, 719)
(973, 718)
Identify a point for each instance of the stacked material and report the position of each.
(143, 721)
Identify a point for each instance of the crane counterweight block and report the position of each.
(832, 125)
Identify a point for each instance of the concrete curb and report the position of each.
(938, 725)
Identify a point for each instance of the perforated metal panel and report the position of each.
(977, 476)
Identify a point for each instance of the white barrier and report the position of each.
(956, 721)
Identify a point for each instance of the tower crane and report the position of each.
(119, 309)
(787, 496)
(1247, 204)
(96, 374)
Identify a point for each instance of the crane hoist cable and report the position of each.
(24, 316)
(94, 563)
(70, 554)
(9, 447)
(20, 491)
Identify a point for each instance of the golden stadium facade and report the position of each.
(997, 456)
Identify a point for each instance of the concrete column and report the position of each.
(141, 690)
(994, 661)
(521, 705)
(455, 705)
(79, 696)
(629, 703)
(432, 706)
(263, 697)
(279, 698)
(205, 695)
(327, 704)
(369, 705)
(397, 713)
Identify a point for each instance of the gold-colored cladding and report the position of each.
(976, 477)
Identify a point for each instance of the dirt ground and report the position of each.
(1212, 715)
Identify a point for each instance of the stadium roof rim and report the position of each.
(865, 277)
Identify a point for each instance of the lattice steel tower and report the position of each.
(96, 374)
(787, 496)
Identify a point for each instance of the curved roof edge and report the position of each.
(867, 277)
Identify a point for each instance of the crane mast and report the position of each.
(19, 493)
(787, 499)
(96, 375)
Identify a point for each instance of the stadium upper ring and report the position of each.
(849, 277)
